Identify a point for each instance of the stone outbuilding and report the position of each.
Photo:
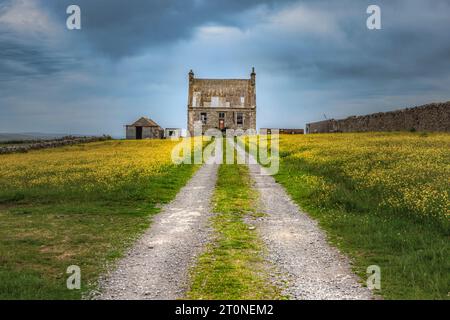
(172, 133)
(144, 128)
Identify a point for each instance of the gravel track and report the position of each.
(157, 267)
(298, 248)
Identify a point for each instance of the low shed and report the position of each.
(144, 128)
(172, 133)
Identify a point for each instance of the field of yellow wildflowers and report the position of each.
(80, 205)
(383, 198)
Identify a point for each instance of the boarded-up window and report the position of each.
(242, 101)
(214, 102)
(196, 99)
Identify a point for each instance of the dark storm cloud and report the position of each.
(112, 28)
(413, 43)
(119, 28)
(19, 60)
(131, 57)
(26, 50)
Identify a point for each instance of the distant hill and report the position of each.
(32, 136)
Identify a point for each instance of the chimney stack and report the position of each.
(253, 76)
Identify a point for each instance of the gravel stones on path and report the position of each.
(297, 247)
(157, 267)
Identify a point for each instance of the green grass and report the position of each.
(412, 249)
(232, 267)
(46, 228)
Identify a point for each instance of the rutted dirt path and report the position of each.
(297, 247)
(157, 267)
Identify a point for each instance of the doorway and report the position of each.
(221, 120)
(138, 133)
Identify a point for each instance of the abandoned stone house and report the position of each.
(144, 128)
(222, 103)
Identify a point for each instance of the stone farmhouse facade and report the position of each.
(222, 103)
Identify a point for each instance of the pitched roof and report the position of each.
(224, 86)
(145, 122)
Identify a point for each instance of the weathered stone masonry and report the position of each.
(222, 103)
(45, 144)
(144, 128)
(430, 117)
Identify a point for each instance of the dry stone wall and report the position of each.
(43, 144)
(430, 117)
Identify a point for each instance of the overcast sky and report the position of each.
(131, 58)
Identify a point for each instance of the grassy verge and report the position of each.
(381, 199)
(81, 205)
(232, 267)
